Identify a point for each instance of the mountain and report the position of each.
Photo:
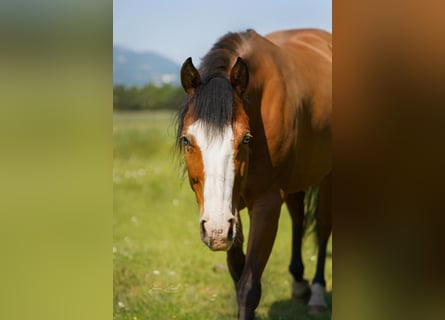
(131, 68)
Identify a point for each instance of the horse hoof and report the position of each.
(301, 290)
(317, 303)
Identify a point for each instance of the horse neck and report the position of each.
(260, 55)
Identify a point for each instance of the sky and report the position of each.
(179, 29)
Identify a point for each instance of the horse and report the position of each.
(255, 132)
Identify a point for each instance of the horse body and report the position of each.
(289, 102)
(275, 90)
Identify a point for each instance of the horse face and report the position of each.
(217, 171)
(217, 159)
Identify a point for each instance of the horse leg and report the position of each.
(317, 303)
(235, 255)
(300, 286)
(264, 215)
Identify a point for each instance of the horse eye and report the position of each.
(185, 142)
(246, 139)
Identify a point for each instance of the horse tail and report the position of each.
(311, 198)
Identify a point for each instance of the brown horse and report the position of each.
(255, 132)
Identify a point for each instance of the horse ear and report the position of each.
(190, 78)
(239, 76)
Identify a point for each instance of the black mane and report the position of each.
(213, 99)
(217, 60)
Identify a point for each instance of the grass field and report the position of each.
(162, 270)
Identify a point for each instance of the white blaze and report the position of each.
(219, 172)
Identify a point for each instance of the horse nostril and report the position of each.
(203, 229)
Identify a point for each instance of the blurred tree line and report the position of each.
(150, 97)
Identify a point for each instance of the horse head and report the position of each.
(214, 135)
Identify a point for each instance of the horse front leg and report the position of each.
(264, 214)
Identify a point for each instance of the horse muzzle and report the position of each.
(218, 236)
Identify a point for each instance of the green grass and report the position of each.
(161, 268)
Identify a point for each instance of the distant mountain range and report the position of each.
(131, 68)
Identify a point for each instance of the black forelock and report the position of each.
(213, 103)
